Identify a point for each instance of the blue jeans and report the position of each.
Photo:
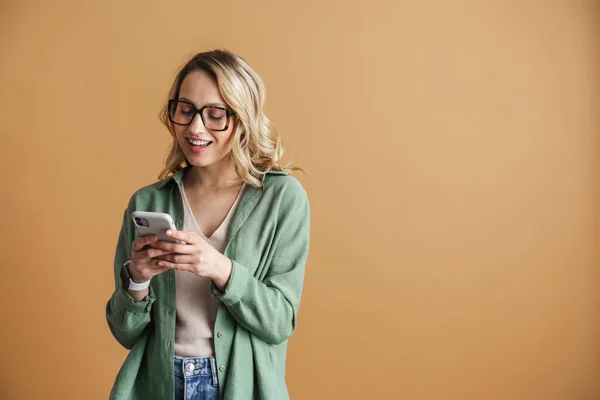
(196, 378)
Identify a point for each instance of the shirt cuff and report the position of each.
(127, 302)
(236, 286)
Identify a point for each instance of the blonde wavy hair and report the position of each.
(257, 146)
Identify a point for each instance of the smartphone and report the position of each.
(154, 223)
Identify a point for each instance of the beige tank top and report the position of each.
(196, 308)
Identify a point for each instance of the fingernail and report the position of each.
(169, 232)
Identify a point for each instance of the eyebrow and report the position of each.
(207, 104)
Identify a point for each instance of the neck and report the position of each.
(219, 175)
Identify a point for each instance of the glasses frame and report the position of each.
(228, 112)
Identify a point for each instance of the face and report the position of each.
(211, 147)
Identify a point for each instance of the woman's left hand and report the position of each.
(196, 256)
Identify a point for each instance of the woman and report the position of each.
(210, 318)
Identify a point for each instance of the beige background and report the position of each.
(452, 155)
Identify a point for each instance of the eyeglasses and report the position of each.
(214, 118)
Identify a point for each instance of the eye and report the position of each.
(185, 109)
(216, 113)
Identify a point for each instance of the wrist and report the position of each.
(223, 273)
(129, 283)
(133, 276)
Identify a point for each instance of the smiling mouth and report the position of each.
(199, 143)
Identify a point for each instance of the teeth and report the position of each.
(199, 142)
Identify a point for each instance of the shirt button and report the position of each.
(220, 334)
(170, 312)
(222, 368)
(168, 343)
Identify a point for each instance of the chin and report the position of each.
(200, 162)
(204, 159)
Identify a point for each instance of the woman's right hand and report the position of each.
(143, 265)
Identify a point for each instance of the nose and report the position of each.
(197, 126)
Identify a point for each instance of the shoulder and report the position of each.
(285, 190)
(149, 193)
(283, 184)
(160, 189)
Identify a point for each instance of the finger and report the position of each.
(174, 247)
(179, 258)
(155, 267)
(187, 237)
(176, 266)
(154, 252)
(139, 243)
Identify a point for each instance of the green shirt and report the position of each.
(268, 245)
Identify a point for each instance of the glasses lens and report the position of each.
(181, 112)
(215, 118)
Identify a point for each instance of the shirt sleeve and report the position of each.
(127, 319)
(268, 308)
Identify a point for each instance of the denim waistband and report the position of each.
(195, 366)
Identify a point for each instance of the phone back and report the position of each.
(154, 223)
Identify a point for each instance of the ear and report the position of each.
(237, 125)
